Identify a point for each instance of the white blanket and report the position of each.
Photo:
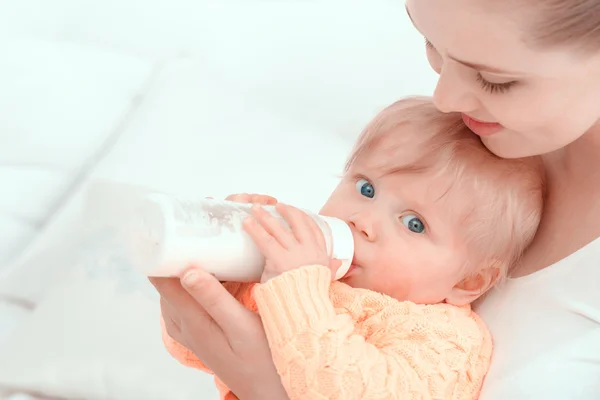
(198, 97)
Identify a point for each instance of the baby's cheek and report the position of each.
(393, 281)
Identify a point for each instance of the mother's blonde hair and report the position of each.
(559, 23)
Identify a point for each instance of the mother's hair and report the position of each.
(560, 23)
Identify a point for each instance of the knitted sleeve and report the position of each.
(404, 351)
(243, 293)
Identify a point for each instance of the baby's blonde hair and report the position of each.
(506, 195)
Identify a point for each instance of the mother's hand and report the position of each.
(228, 338)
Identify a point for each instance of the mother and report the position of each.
(525, 74)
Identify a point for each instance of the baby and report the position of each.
(437, 221)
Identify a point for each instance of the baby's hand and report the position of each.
(252, 198)
(286, 248)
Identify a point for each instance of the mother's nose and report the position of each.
(453, 93)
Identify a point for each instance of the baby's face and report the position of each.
(406, 229)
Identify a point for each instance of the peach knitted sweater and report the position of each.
(332, 341)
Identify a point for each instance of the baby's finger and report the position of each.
(334, 266)
(239, 197)
(301, 224)
(274, 227)
(318, 234)
(263, 199)
(266, 243)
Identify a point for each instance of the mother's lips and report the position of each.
(481, 128)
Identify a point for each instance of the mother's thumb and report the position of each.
(213, 297)
(199, 284)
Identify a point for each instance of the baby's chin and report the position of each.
(353, 277)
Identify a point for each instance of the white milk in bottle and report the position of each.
(167, 235)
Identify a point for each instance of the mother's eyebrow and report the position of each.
(483, 67)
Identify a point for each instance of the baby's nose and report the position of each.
(363, 226)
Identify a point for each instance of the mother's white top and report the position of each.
(546, 329)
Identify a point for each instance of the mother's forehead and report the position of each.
(467, 22)
(487, 32)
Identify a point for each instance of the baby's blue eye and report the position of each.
(365, 188)
(413, 223)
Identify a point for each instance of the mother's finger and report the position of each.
(177, 296)
(216, 301)
(168, 312)
(171, 323)
(166, 287)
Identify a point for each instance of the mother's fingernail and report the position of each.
(191, 278)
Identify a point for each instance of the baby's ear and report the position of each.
(475, 285)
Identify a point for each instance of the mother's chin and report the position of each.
(509, 143)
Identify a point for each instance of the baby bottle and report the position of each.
(167, 235)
